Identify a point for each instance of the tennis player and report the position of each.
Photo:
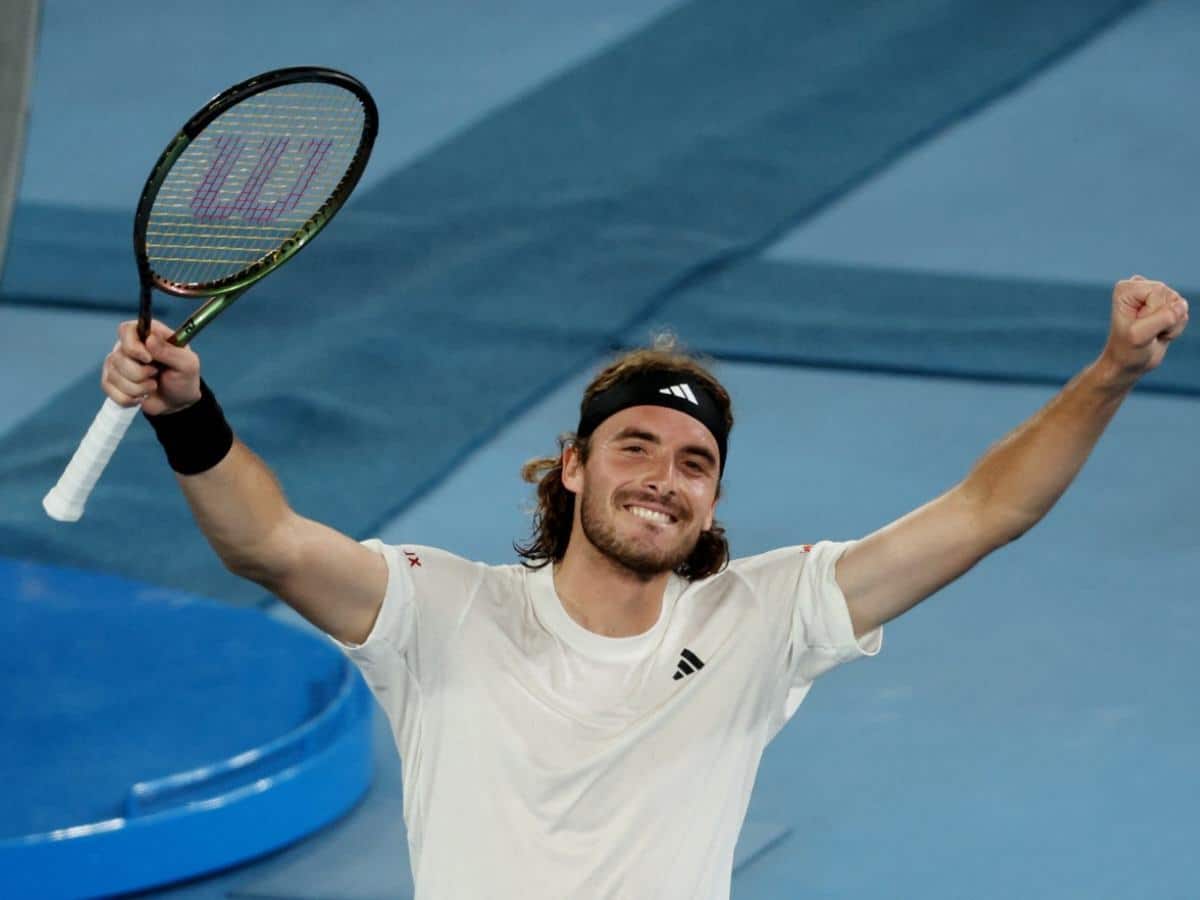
(589, 723)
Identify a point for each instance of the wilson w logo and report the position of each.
(206, 205)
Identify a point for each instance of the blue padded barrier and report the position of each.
(120, 682)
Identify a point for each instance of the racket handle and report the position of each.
(66, 499)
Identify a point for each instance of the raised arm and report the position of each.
(330, 579)
(1019, 479)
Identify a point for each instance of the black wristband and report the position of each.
(195, 438)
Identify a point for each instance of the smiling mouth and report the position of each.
(651, 515)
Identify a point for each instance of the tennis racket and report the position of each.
(247, 182)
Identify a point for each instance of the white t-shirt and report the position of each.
(542, 760)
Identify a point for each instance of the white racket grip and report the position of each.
(66, 499)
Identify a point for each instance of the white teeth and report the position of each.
(650, 515)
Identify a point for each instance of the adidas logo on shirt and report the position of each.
(689, 662)
(682, 391)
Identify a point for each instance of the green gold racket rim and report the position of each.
(239, 281)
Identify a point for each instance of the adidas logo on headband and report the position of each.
(682, 391)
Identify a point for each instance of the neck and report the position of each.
(605, 597)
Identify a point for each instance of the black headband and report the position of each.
(674, 390)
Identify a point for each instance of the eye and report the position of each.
(634, 448)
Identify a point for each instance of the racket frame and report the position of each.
(225, 290)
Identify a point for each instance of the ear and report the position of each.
(712, 510)
(572, 469)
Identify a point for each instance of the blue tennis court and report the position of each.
(896, 232)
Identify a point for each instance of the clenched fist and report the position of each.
(159, 376)
(1146, 317)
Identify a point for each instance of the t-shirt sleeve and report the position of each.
(808, 621)
(397, 615)
(821, 634)
(427, 590)
(383, 657)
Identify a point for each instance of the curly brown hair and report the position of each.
(554, 515)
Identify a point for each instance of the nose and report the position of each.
(661, 474)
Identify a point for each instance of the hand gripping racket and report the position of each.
(247, 182)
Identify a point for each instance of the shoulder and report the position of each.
(423, 566)
(782, 572)
(444, 590)
(780, 561)
(751, 582)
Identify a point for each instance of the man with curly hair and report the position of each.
(589, 723)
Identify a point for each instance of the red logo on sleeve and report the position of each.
(807, 548)
(414, 561)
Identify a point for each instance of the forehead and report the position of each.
(668, 425)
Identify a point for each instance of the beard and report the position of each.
(642, 559)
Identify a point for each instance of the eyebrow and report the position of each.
(637, 433)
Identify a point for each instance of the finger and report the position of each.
(1179, 326)
(1130, 296)
(1138, 282)
(1150, 296)
(131, 369)
(131, 387)
(162, 329)
(1173, 334)
(118, 396)
(1159, 322)
(1161, 296)
(1161, 299)
(130, 344)
(181, 359)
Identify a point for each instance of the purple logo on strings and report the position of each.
(245, 206)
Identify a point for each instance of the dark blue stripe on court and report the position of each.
(465, 285)
(922, 323)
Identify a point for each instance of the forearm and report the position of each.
(241, 510)
(330, 579)
(1020, 478)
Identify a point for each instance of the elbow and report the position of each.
(251, 569)
(1004, 524)
(266, 562)
(997, 523)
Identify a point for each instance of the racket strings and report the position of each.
(252, 180)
